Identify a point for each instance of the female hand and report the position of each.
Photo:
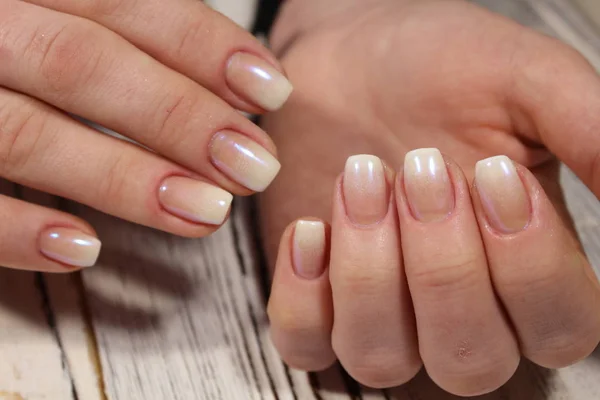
(169, 75)
(490, 276)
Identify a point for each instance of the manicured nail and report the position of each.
(502, 194)
(427, 185)
(194, 200)
(257, 81)
(309, 249)
(365, 190)
(70, 246)
(243, 160)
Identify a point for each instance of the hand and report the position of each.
(167, 74)
(485, 278)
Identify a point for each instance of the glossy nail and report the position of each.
(194, 200)
(309, 249)
(70, 246)
(365, 188)
(243, 160)
(257, 81)
(427, 185)
(503, 196)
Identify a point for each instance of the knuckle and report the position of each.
(474, 375)
(564, 347)
(108, 7)
(449, 274)
(363, 282)
(112, 188)
(381, 368)
(292, 323)
(302, 343)
(170, 118)
(191, 36)
(20, 130)
(66, 57)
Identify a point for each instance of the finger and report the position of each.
(46, 150)
(300, 307)
(40, 239)
(193, 39)
(374, 334)
(568, 124)
(89, 71)
(465, 341)
(538, 269)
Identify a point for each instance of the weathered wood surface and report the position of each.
(166, 318)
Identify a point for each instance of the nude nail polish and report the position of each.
(365, 189)
(503, 195)
(243, 160)
(309, 249)
(70, 246)
(194, 200)
(257, 81)
(427, 185)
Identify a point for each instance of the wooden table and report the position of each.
(164, 318)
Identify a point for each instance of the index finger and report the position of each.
(196, 41)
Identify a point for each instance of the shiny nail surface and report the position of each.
(243, 160)
(309, 249)
(502, 194)
(70, 246)
(257, 81)
(427, 185)
(195, 201)
(366, 193)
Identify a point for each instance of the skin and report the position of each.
(158, 81)
(386, 77)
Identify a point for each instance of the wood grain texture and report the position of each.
(165, 318)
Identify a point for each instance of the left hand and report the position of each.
(387, 77)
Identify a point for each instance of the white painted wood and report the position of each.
(185, 319)
(31, 364)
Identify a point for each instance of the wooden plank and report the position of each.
(178, 319)
(184, 319)
(31, 359)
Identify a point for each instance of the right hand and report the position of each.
(169, 75)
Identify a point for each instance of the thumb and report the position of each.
(558, 99)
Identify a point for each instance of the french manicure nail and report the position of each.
(257, 81)
(194, 200)
(503, 195)
(70, 246)
(365, 190)
(309, 249)
(427, 185)
(243, 160)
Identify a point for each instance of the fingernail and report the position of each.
(70, 246)
(503, 195)
(195, 201)
(257, 81)
(309, 249)
(427, 185)
(365, 190)
(243, 160)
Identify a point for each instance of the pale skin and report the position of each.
(471, 273)
(170, 75)
(386, 280)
